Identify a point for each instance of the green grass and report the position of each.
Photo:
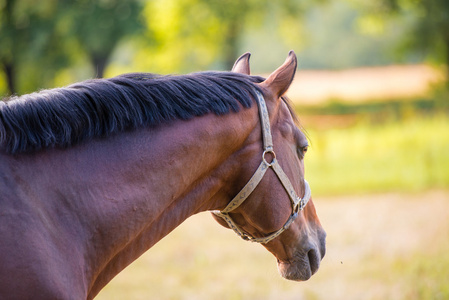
(424, 276)
(410, 154)
(420, 275)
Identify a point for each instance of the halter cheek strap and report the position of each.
(298, 203)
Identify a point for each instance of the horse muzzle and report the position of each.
(305, 261)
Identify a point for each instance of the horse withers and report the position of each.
(94, 174)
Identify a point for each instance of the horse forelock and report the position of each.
(64, 117)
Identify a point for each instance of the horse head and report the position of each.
(274, 206)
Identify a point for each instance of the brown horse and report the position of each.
(95, 174)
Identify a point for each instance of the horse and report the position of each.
(96, 173)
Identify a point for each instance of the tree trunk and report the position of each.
(8, 61)
(447, 60)
(10, 76)
(231, 44)
(99, 63)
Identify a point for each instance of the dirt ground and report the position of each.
(312, 87)
(202, 260)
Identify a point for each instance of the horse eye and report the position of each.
(302, 151)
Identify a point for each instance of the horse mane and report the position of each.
(64, 117)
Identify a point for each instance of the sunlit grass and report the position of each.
(424, 276)
(389, 246)
(419, 275)
(404, 155)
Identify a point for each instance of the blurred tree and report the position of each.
(27, 40)
(430, 30)
(39, 40)
(100, 25)
(198, 32)
(232, 17)
(235, 17)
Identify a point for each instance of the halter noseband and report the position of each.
(298, 203)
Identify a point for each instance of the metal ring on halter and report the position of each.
(269, 151)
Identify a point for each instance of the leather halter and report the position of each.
(298, 203)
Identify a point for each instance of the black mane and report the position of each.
(98, 108)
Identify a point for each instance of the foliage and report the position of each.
(55, 42)
(181, 35)
(335, 37)
(30, 43)
(104, 24)
(381, 110)
(39, 40)
(194, 34)
(429, 31)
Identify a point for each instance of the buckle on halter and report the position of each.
(290, 220)
(301, 204)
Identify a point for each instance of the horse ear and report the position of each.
(279, 81)
(241, 65)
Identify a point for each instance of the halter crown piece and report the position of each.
(298, 203)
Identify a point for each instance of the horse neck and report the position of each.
(160, 178)
(107, 201)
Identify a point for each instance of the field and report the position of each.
(409, 155)
(379, 173)
(385, 246)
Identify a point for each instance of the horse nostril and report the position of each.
(314, 260)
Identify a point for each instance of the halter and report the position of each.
(298, 203)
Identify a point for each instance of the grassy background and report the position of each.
(403, 155)
(400, 146)
(383, 246)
